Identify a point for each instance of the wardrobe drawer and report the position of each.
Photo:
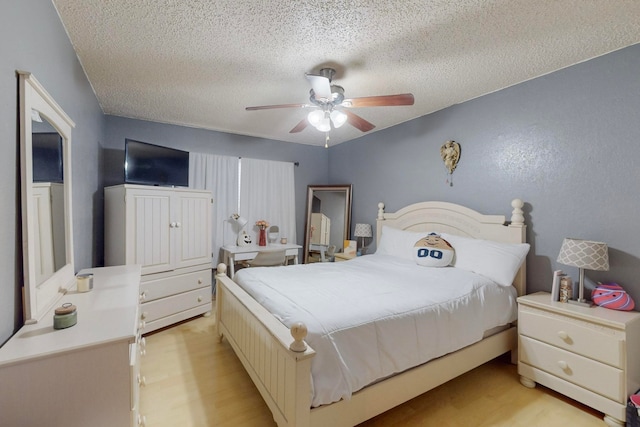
(167, 286)
(587, 373)
(597, 342)
(157, 309)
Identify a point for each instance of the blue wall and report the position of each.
(568, 144)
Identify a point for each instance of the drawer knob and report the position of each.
(142, 381)
(142, 325)
(142, 420)
(199, 299)
(143, 296)
(563, 365)
(199, 281)
(144, 315)
(563, 335)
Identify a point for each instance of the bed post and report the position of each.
(517, 215)
(519, 282)
(221, 270)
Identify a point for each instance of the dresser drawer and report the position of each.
(597, 342)
(589, 374)
(160, 288)
(157, 309)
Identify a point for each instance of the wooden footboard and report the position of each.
(283, 376)
(262, 343)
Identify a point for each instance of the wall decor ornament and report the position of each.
(450, 153)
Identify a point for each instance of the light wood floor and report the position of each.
(194, 381)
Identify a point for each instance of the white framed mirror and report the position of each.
(328, 220)
(45, 169)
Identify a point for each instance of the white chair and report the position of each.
(274, 232)
(267, 259)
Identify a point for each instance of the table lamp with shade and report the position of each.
(363, 230)
(584, 254)
(239, 222)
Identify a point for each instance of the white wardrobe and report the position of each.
(320, 229)
(168, 232)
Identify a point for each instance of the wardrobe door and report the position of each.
(193, 234)
(150, 237)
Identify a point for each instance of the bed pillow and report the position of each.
(398, 243)
(496, 261)
(433, 251)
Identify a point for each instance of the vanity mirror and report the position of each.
(328, 220)
(45, 166)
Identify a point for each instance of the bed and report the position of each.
(283, 376)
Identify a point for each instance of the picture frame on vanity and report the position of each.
(555, 285)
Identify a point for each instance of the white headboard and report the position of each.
(444, 217)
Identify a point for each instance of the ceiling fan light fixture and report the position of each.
(315, 117)
(324, 125)
(338, 118)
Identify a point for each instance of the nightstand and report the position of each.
(343, 257)
(591, 355)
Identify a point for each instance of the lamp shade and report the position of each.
(584, 254)
(363, 230)
(240, 220)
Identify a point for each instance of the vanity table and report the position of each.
(84, 375)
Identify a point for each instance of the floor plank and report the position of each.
(194, 381)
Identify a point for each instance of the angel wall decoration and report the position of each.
(450, 153)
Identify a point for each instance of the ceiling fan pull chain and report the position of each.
(326, 140)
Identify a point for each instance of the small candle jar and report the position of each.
(65, 316)
(84, 282)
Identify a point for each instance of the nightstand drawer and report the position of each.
(589, 374)
(597, 342)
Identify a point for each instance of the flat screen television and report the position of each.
(150, 164)
(47, 157)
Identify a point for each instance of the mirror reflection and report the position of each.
(48, 198)
(328, 221)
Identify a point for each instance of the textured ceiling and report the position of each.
(199, 63)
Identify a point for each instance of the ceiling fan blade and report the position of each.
(300, 126)
(358, 122)
(380, 101)
(268, 107)
(321, 86)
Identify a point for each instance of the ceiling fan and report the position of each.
(330, 107)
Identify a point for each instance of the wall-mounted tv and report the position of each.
(150, 164)
(47, 157)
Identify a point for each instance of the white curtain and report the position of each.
(267, 191)
(219, 174)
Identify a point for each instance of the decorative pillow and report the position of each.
(398, 243)
(611, 295)
(496, 261)
(433, 251)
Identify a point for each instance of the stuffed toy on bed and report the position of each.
(433, 251)
(611, 295)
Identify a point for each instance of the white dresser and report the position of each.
(84, 375)
(168, 232)
(589, 354)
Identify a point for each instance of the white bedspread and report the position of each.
(377, 315)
